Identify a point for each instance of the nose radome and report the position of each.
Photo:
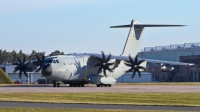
(46, 69)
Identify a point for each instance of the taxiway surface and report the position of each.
(91, 106)
(114, 88)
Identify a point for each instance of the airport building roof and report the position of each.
(171, 47)
(171, 52)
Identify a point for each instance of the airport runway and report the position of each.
(114, 88)
(91, 106)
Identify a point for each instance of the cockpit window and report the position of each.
(54, 61)
(57, 61)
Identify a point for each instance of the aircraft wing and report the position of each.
(126, 58)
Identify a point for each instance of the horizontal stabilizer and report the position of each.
(145, 25)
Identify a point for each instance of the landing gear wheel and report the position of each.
(82, 85)
(109, 85)
(105, 85)
(54, 84)
(71, 85)
(101, 85)
(58, 84)
(98, 85)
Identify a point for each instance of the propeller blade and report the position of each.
(131, 60)
(20, 62)
(109, 64)
(99, 70)
(103, 55)
(128, 64)
(136, 58)
(23, 59)
(20, 74)
(133, 74)
(104, 65)
(15, 70)
(110, 69)
(38, 59)
(41, 62)
(25, 73)
(43, 57)
(104, 72)
(38, 69)
(108, 58)
(134, 65)
(139, 74)
(140, 67)
(26, 63)
(101, 61)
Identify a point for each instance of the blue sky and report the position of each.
(83, 25)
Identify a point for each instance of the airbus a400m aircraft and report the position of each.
(77, 69)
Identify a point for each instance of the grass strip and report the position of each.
(158, 99)
(73, 110)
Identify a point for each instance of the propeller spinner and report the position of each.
(103, 64)
(135, 66)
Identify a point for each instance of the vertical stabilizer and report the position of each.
(133, 40)
(135, 35)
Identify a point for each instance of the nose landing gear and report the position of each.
(56, 84)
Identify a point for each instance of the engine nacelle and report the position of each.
(97, 79)
(166, 68)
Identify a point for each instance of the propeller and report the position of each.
(41, 62)
(103, 64)
(21, 66)
(135, 66)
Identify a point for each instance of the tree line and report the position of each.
(11, 57)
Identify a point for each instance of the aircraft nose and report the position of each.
(46, 69)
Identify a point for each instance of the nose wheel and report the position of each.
(56, 84)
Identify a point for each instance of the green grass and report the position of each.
(161, 99)
(4, 79)
(73, 110)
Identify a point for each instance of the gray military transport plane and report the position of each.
(77, 69)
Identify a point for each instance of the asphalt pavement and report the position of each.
(92, 106)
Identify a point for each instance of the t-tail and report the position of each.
(135, 35)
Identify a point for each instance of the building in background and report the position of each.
(126, 78)
(188, 52)
(34, 77)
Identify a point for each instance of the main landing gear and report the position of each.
(77, 85)
(103, 85)
(56, 84)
